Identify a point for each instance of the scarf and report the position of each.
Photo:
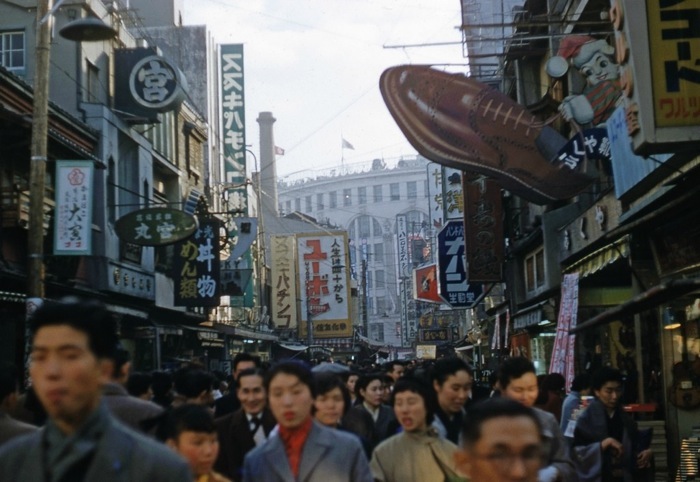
(293, 440)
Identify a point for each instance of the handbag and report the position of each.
(450, 475)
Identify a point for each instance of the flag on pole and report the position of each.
(347, 145)
(279, 151)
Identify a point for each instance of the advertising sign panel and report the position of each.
(325, 284)
(155, 226)
(284, 281)
(454, 288)
(425, 284)
(197, 267)
(73, 223)
(483, 228)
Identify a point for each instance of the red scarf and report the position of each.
(293, 440)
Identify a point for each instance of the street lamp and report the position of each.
(79, 31)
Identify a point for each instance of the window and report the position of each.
(379, 279)
(333, 199)
(12, 50)
(394, 191)
(363, 225)
(362, 195)
(347, 198)
(93, 83)
(297, 205)
(307, 204)
(288, 207)
(379, 252)
(534, 271)
(412, 190)
(319, 201)
(378, 194)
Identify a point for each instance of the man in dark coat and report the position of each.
(72, 346)
(229, 403)
(241, 431)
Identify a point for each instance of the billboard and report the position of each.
(483, 228)
(73, 224)
(452, 274)
(283, 270)
(324, 283)
(197, 267)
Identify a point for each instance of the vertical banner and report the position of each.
(404, 268)
(197, 267)
(437, 216)
(284, 281)
(483, 228)
(232, 97)
(73, 220)
(564, 343)
(325, 284)
(452, 198)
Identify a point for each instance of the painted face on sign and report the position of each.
(599, 69)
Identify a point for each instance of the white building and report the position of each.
(365, 199)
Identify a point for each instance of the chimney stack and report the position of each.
(268, 168)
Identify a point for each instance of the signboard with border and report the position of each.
(452, 273)
(155, 226)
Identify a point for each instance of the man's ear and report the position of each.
(124, 372)
(463, 462)
(171, 443)
(106, 367)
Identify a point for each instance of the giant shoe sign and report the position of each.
(459, 122)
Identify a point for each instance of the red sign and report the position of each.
(425, 284)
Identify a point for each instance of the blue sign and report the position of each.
(453, 286)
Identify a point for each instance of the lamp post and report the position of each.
(79, 30)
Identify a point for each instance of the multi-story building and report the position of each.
(365, 200)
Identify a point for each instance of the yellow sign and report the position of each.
(674, 47)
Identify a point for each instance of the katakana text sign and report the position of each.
(452, 273)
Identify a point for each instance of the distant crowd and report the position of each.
(87, 416)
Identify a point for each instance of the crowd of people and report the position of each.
(87, 417)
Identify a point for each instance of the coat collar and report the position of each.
(319, 441)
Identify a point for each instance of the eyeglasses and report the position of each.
(504, 460)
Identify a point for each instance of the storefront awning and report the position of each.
(649, 299)
(287, 346)
(600, 258)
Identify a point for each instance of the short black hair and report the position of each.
(364, 380)
(605, 375)
(88, 316)
(491, 408)
(139, 383)
(581, 382)
(9, 379)
(243, 356)
(445, 367)
(121, 357)
(185, 418)
(249, 372)
(411, 384)
(325, 382)
(514, 368)
(190, 382)
(294, 368)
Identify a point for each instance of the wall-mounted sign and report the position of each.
(73, 223)
(155, 226)
(426, 352)
(425, 284)
(452, 273)
(156, 84)
(483, 231)
(284, 285)
(196, 269)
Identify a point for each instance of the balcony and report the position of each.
(15, 209)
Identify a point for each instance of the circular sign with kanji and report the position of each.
(156, 84)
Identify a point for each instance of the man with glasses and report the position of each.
(607, 443)
(501, 441)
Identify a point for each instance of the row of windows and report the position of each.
(346, 197)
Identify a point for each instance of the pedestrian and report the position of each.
(139, 385)
(417, 454)
(189, 431)
(607, 443)
(452, 380)
(370, 392)
(131, 411)
(73, 344)
(229, 403)
(517, 380)
(501, 441)
(162, 388)
(9, 392)
(302, 449)
(551, 394)
(580, 387)
(193, 385)
(246, 428)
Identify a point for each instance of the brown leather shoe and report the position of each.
(462, 123)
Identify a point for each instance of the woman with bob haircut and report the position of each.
(416, 454)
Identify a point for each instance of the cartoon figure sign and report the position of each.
(594, 59)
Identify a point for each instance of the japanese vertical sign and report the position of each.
(483, 228)
(402, 251)
(73, 224)
(197, 267)
(404, 267)
(437, 216)
(452, 274)
(324, 282)
(284, 281)
(233, 122)
(564, 343)
(658, 49)
(452, 201)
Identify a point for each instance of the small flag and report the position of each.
(279, 151)
(347, 145)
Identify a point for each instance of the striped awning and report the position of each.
(600, 258)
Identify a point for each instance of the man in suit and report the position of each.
(10, 427)
(72, 346)
(241, 431)
(302, 449)
(131, 411)
(229, 403)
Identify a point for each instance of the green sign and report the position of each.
(155, 226)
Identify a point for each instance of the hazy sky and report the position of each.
(315, 64)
